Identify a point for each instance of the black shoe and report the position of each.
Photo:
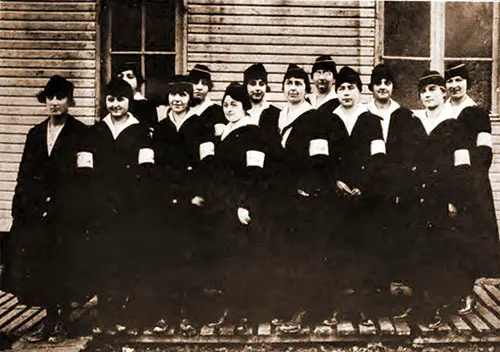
(434, 322)
(41, 333)
(403, 315)
(293, 326)
(59, 334)
(242, 329)
(187, 328)
(365, 321)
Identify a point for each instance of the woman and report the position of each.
(118, 155)
(298, 178)
(183, 145)
(357, 154)
(240, 157)
(143, 109)
(39, 263)
(442, 171)
(483, 231)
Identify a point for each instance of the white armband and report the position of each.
(146, 155)
(206, 149)
(318, 147)
(255, 158)
(219, 129)
(377, 146)
(85, 159)
(461, 157)
(484, 139)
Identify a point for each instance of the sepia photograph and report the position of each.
(249, 175)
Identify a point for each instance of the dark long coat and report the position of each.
(39, 260)
(483, 232)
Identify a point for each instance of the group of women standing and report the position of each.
(304, 219)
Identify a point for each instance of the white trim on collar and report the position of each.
(139, 96)
(314, 98)
(200, 109)
(286, 120)
(230, 127)
(254, 115)
(455, 110)
(349, 125)
(131, 120)
(190, 113)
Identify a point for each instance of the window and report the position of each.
(415, 35)
(148, 33)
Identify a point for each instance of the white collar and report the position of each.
(255, 114)
(430, 125)
(383, 113)
(349, 124)
(131, 120)
(231, 126)
(179, 124)
(455, 110)
(317, 103)
(139, 96)
(200, 108)
(286, 119)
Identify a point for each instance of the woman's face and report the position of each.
(432, 96)
(295, 90)
(57, 105)
(178, 102)
(348, 94)
(456, 87)
(117, 106)
(233, 109)
(201, 89)
(129, 77)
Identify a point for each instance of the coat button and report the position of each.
(189, 168)
(414, 168)
(44, 214)
(429, 225)
(424, 185)
(435, 171)
(362, 167)
(421, 200)
(47, 199)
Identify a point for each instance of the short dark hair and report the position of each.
(238, 93)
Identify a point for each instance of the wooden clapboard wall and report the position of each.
(230, 35)
(39, 39)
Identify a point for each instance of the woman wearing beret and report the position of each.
(117, 155)
(240, 158)
(441, 199)
(184, 146)
(298, 177)
(39, 262)
(143, 109)
(483, 232)
(356, 154)
(204, 107)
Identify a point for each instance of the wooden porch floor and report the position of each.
(481, 326)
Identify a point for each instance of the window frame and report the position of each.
(105, 52)
(437, 45)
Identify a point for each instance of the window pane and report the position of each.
(407, 28)
(119, 61)
(160, 25)
(406, 75)
(159, 71)
(480, 88)
(126, 25)
(469, 29)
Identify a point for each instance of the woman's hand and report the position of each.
(346, 190)
(244, 216)
(452, 210)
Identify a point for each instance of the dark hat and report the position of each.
(119, 88)
(430, 77)
(200, 72)
(134, 67)
(57, 86)
(325, 62)
(297, 72)
(181, 84)
(454, 69)
(238, 93)
(256, 71)
(348, 75)
(379, 72)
